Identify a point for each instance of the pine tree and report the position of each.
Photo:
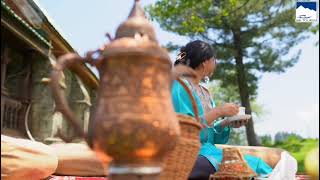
(250, 38)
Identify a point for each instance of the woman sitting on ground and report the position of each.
(199, 56)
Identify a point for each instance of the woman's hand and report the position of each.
(228, 109)
(238, 124)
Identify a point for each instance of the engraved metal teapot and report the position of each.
(134, 121)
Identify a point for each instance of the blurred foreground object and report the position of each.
(25, 159)
(233, 166)
(77, 159)
(270, 155)
(311, 163)
(133, 121)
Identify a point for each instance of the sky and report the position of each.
(290, 99)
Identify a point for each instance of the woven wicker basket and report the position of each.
(179, 163)
(233, 167)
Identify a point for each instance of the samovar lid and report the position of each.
(136, 24)
(136, 35)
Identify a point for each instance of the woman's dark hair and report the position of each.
(194, 53)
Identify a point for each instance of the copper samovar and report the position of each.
(134, 121)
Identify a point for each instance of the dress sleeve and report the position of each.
(221, 134)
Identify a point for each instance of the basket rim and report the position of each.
(193, 123)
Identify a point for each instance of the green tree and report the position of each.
(315, 30)
(284, 136)
(238, 137)
(266, 140)
(221, 95)
(250, 38)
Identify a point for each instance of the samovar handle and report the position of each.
(66, 61)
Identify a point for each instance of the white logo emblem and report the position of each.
(306, 11)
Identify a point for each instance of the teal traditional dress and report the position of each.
(214, 133)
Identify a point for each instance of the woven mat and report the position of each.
(303, 177)
(75, 178)
(298, 177)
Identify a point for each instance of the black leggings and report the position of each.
(201, 169)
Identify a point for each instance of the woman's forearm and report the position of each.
(212, 115)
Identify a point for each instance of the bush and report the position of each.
(297, 147)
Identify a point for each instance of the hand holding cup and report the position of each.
(240, 119)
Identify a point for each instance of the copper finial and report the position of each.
(136, 10)
(136, 24)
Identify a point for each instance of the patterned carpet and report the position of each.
(75, 178)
